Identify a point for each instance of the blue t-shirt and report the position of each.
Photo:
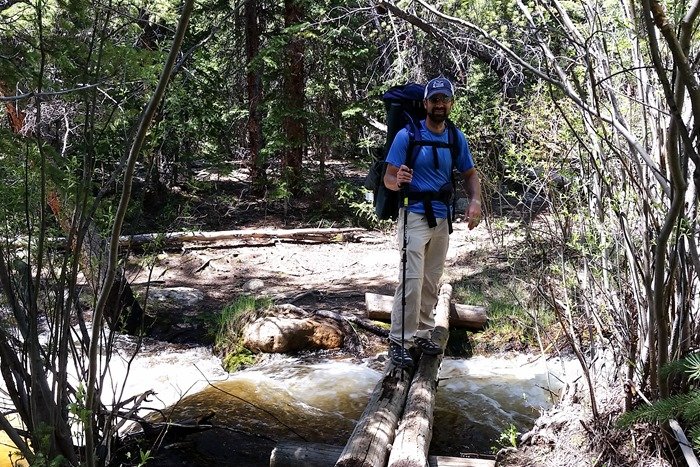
(425, 176)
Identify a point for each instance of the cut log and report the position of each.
(329, 235)
(289, 454)
(370, 441)
(461, 316)
(415, 430)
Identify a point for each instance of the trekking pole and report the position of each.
(404, 260)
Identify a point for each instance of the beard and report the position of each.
(438, 116)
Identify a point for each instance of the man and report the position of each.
(427, 226)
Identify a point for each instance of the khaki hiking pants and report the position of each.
(425, 252)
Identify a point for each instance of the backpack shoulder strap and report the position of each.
(414, 140)
(453, 141)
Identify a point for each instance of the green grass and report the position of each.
(515, 316)
(230, 324)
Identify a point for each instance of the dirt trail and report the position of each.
(332, 276)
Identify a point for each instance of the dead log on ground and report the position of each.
(470, 317)
(415, 430)
(329, 235)
(290, 454)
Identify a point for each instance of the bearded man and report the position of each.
(426, 219)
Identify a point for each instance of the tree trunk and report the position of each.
(293, 97)
(92, 454)
(254, 87)
(369, 442)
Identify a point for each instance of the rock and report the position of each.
(176, 296)
(280, 335)
(253, 285)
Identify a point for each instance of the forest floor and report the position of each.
(335, 276)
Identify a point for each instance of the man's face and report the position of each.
(438, 107)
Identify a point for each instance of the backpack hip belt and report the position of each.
(445, 195)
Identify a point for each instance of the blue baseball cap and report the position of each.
(438, 86)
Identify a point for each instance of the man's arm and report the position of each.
(397, 173)
(473, 188)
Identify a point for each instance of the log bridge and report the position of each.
(396, 427)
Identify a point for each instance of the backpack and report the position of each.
(404, 109)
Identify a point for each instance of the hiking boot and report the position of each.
(427, 346)
(399, 356)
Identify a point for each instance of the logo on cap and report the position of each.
(438, 85)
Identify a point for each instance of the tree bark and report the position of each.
(660, 299)
(254, 87)
(369, 442)
(293, 97)
(92, 392)
(368, 445)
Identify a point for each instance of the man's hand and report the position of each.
(397, 176)
(473, 213)
(404, 175)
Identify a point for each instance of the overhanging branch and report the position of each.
(509, 75)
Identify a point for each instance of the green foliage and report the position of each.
(660, 411)
(356, 199)
(234, 315)
(77, 408)
(238, 358)
(42, 454)
(684, 406)
(507, 439)
(144, 457)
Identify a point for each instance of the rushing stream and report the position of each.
(477, 400)
(287, 399)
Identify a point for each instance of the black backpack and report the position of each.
(404, 109)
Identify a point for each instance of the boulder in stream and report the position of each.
(285, 334)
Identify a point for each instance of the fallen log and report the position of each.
(288, 454)
(370, 441)
(415, 430)
(470, 317)
(329, 235)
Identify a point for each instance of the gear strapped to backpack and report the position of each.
(404, 108)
